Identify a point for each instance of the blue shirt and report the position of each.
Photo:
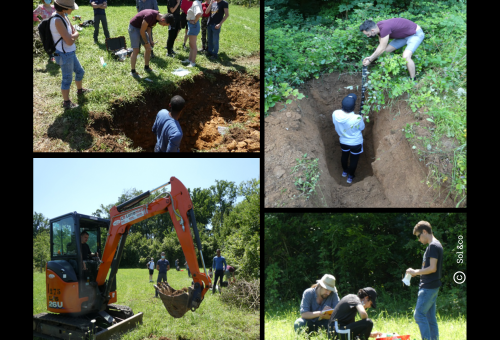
(309, 303)
(218, 261)
(163, 265)
(168, 132)
(98, 11)
(148, 4)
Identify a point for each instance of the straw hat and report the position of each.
(328, 282)
(70, 4)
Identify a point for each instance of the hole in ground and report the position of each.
(212, 100)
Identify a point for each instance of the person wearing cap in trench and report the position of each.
(345, 313)
(349, 126)
(320, 297)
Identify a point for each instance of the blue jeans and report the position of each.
(425, 313)
(213, 39)
(69, 63)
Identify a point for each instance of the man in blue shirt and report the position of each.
(99, 7)
(219, 265)
(162, 266)
(167, 128)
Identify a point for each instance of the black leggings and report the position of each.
(360, 328)
(218, 274)
(354, 157)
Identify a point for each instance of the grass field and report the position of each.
(213, 320)
(279, 322)
(55, 129)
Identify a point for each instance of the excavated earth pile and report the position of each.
(212, 100)
(388, 172)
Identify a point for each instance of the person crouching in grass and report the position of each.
(140, 27)
(167, 128)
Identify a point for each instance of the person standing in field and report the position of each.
(187, 267)
(142, 5)
(430, 281)
(185, 6)
(219, 13)
(403, 31)
(151, 266)
(345, 314)
(162, 266)
(204, 21)
(349, 125)
(167, 128)
(174, 7)
(219, 265)
(44, 11)
(177, 264)
(320, 297)
(99, 7)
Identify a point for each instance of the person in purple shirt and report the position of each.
(167, 128)
(403, 31)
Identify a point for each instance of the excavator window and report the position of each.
(63, 237)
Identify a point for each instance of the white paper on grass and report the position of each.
(180, 72)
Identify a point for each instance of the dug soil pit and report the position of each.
(388, 173)
(230, 101)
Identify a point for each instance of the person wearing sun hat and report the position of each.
(65, 55)
(349, 125)
(345, 314)
(321, 297)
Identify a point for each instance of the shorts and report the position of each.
(354, 149)
(413, 41)
(135, 36)
(151, 271)
(183, 20)
(193, 29)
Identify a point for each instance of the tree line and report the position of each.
(360, 250)
(222, 223)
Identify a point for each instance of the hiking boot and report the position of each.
(349, 179)
(69, 104)
(83, 91)
(344, 174)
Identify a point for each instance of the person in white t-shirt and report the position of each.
(151, 267)
(349, 126)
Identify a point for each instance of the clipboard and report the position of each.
(328, 311)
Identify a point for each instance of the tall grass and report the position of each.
(279, 320)
(213, 320)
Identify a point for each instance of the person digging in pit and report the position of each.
(345, 313)
(320, 297)
(403, 31)
(349, 127)
(167, 128)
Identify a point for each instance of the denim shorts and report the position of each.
(413, 41)
(135, 36)
(69, 63)
(193, 29)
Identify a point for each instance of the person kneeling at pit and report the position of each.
(320, 297)
(167, 128)
(345, 313)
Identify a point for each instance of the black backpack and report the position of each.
(46, 35)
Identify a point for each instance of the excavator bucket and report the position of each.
(177, 302)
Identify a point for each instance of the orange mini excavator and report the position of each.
(78, 290)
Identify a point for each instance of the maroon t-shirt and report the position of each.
(147, 14)
(397, 28)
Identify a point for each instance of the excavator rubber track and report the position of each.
(176, 302)
(60, 326)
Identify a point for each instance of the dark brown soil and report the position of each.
(388, 174)
(212, 100)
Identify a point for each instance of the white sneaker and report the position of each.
(191, 65)
(186, 61)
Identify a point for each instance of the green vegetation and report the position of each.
(302, 44)
(113, 85)
(213, 320)
(362, 250)
(310, 172)
(279, 320)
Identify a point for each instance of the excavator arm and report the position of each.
(180, 207)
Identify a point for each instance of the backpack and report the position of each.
(46, 35)
(87, 23)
